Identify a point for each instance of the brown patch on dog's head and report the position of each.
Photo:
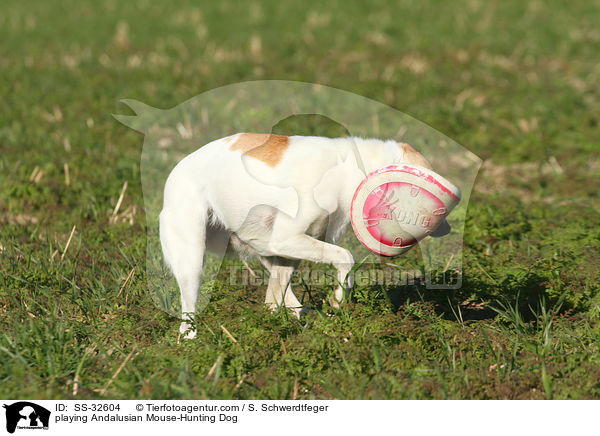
(412, 156)
(265, 147)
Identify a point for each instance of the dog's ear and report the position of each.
(441, 230)
(412, 156)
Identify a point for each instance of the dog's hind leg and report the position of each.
(183, 239)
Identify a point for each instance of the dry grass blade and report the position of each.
(39, 176)
(62, 256)
(76, 385)
(126, 281)
(113, 217)
(448, 263)
(212, 369)
(34, 173)
(76, 379)
(118, 371)
(67, 177)
(229, 334)
(238, 384)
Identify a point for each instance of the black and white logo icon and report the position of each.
(26, 415)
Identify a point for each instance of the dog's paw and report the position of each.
(300, 311)
(334, 303)
(187, 331)
(191, 334)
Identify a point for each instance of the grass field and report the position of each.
(517, 83)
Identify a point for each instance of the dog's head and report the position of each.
(411, 156)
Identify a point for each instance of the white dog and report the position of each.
(282, 199)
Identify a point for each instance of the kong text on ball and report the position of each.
(397, 206)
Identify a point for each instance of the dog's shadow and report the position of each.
(475, 300)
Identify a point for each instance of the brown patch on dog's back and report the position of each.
(412, 156)
(228, 139)
(265, 147)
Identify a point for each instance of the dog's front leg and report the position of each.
(345, 280)
(305, 247)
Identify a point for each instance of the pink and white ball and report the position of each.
(397, 206)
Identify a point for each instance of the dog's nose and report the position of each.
(442, 230)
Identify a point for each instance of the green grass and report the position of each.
(514, 82)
